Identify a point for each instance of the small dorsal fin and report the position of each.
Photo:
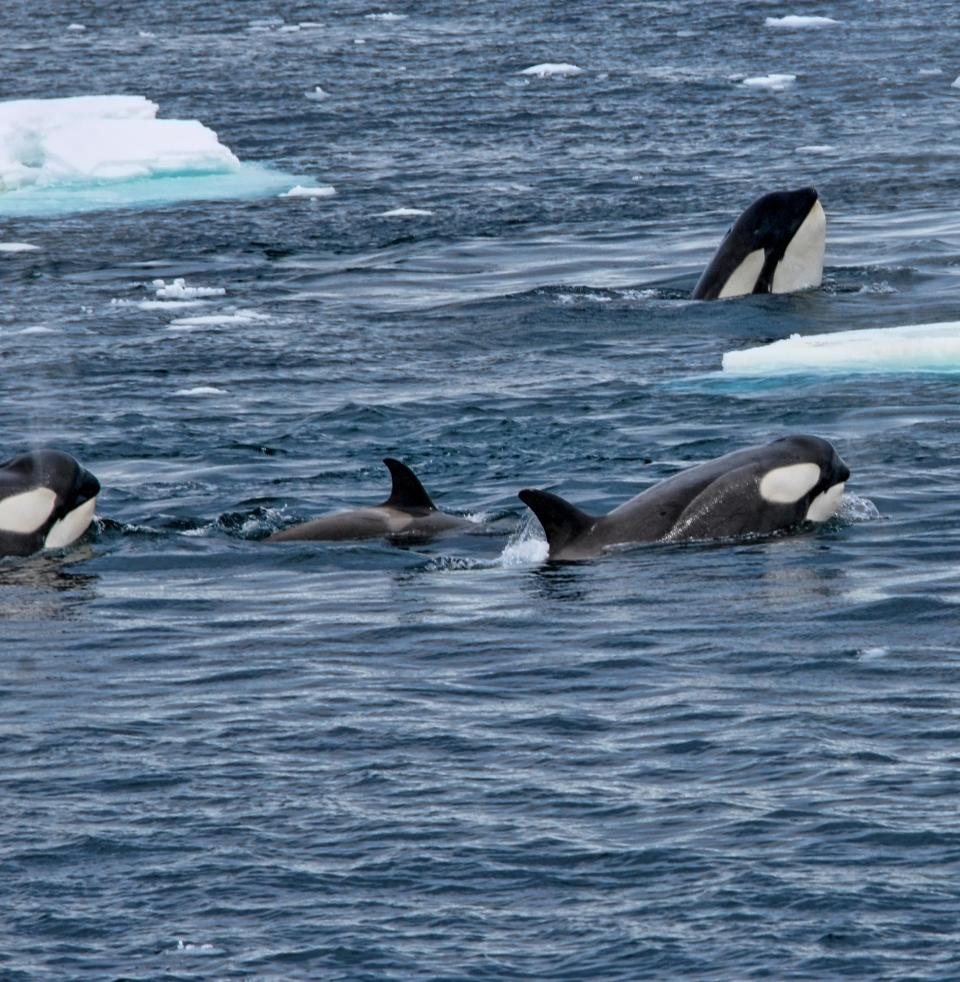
(561, 521)
(407, 491)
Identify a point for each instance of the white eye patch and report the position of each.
(25, 512)
(785, 485)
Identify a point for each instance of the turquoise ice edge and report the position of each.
(249, 182)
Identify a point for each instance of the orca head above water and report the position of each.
(47, 501)
(775, 246)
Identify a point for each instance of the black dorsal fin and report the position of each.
(561, 521)
(407, 491)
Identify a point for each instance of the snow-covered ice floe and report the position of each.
(551, 69)
(800, 20)
(914, 347)
(91, 152)
(774, 81)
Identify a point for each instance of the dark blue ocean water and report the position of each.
(450, 760)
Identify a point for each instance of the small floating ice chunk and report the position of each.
(76, 27)
(955, 84)
(551, 69)
(18, 247)
(798, 20)
(316, 94)
(324, 191)
(242, 316)
(178, 290)
(774, 81)
(816, 148)
(405, 212)
(386, 16)
(37, 329)
(189, 948)
(201, 390)
(913, 347)
(927, 72)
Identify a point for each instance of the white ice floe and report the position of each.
(551, 69)
(76, 27)
(914, 347)
(774, 81)
(89, 153)
(405, 212)
(166, 305)
(18, 247)
(224, 319)
(101, 138)
(955, 84)
(316, 94)
(201, 390)
(799, 20)
(177, 289)
(325, 191)
(386, 16)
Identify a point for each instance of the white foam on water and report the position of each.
(324, 191)
(527, 546)
(925, 72)
(913, 347)
(17, 247)
(775, 82)
(82, 153)
(405, 213)
(798, 20)
(853, 508)
(386, 16)
(37, 329)
(817, 148)
(551, 69)
(873, 653)
(76, 27)
(177, 289)
(217, 320)
(201, 390)
(316, 95)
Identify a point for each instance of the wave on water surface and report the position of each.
(86, 153)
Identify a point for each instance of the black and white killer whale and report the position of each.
(47, 501)
(760, 489)
(775, 246)
(409, 511)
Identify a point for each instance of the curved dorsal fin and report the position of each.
(561, 521)
(407, 491)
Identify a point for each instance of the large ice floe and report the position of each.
(912, 348)
(91, 152)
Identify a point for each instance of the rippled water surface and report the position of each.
(450, 759)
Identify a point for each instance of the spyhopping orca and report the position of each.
(408, 511)
(47, 501)
(775, 246)
(757, 490)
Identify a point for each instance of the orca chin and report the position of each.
(758, 490)
(776, 246)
